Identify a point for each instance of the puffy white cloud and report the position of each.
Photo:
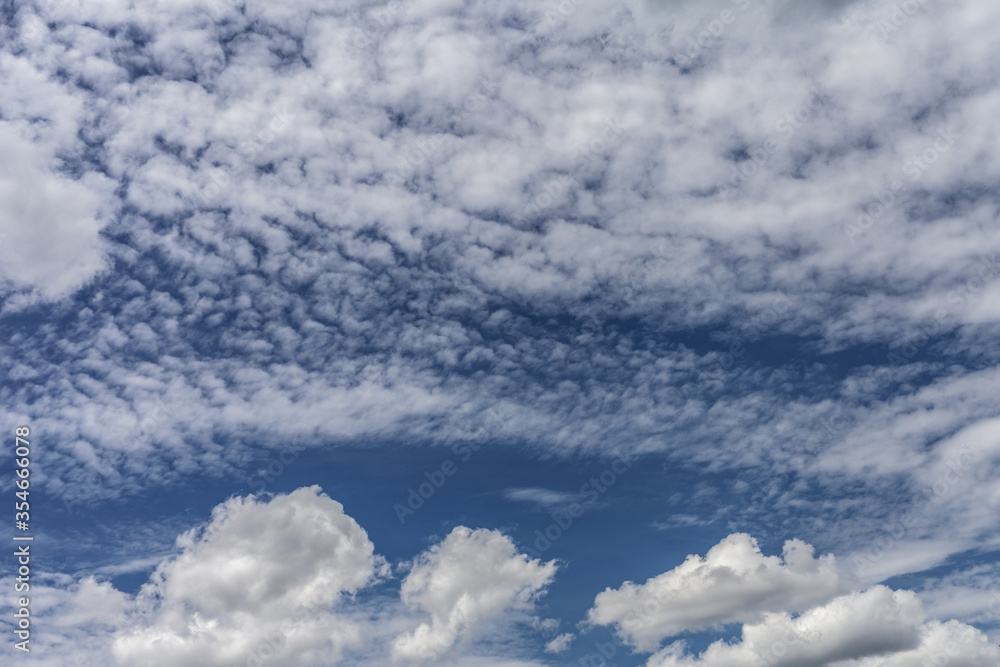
(263, 578)
(49, 223)
(876, 628)
(468, 582)
(273, 582)
(734, 582)
(793, 615)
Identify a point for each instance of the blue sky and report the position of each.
(504, 334)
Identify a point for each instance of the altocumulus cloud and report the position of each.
(237, 159)
(264, 226)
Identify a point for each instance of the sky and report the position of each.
(502, 334)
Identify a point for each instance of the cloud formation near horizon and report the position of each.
(792, 614)
(277, 581)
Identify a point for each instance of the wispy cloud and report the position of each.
(544, 499)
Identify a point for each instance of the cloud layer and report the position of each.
(753, 238)
(424, 211)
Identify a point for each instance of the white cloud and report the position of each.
(544, 498)
(971, 595)
(341, 292)
(49, 223)
(471, 580)
(79, 617)
(261, 578)
(302, 254)
(877, 628)
(734, 582)
(950, 462)
(273, 582)
(792, 612)
(560, 643)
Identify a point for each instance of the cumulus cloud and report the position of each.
(274, 581)
(260, 579)
(470, 580)
(734, 582)
(876, 628)
(793, 611)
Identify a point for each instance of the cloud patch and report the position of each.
(260, 577)
(876, 628)
(471, 579)
(49, 223)
(734, 582)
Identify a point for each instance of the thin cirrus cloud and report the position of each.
(546, 499)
